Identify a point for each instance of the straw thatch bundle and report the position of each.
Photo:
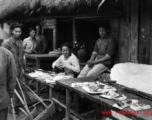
(12, 9)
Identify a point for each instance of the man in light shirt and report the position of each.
(29, 44)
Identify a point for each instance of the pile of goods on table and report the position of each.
(48, 77)
(110, 92)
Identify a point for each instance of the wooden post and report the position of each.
(68, 100)
(114, 30)
(145, 28)
(134, 31)
(124, 37)
(74, 33)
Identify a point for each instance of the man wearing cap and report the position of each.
(103, 55)
(15, 45)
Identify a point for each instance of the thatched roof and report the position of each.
(12, 9)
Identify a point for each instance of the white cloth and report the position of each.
(133, 75)
(71, 62)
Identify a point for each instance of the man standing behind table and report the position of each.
(41, 40)
(29, 44)
(7, 81)
(15, 46)
(103, 54)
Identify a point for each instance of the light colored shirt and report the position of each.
(71, 62)
(29, 45)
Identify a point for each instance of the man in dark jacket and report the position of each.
(7, 81)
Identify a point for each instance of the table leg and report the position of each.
(37, 63)
(37, 87)
(68, 100)
(50, 93)
(75, 97)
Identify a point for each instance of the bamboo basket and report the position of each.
(38, 111)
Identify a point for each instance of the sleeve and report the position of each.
(57, 62)
(24, 43)
(12, 74)
(111, 47)
(74, 65)
(5, 44)
(95, 48)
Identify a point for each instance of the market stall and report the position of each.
(45, 77)
(123, 104)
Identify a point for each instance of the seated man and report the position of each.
(67, 61)
(103, 54)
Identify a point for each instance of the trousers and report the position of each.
(96, 70)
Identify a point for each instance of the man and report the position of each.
(41, 40)
(29, 44)
(103, 54)
(15, 46)
(7, 81)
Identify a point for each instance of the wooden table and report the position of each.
(39, 57)
(142, 115)
(50, 85)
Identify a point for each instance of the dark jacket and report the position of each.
(7, 77)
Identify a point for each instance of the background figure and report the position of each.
(8, 81)
(41, 40)
(29, 44)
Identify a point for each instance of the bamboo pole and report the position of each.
(12, 105)
(36, 96)
(25, 106)
(25, 103)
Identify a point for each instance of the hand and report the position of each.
(90, 63)
(60, 66)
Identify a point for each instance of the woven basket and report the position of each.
(39, 112)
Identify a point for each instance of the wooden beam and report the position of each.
(74, 33)
(134, 31)
(124, 36)
(144, 41)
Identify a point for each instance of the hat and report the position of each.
(16, 25)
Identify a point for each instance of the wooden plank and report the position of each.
(124, 55)
(68, 100)
(144, 41)
(134, 31)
